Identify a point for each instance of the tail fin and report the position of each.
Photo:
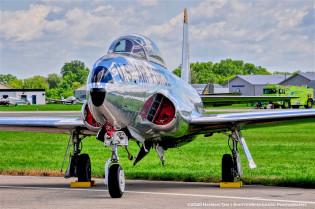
(185, 71)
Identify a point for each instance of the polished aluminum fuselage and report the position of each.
(134, 81)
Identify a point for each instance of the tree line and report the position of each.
(73, 75)
(221, 72)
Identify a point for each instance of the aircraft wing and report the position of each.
(227, 121)
(42, 124)
(216, 100)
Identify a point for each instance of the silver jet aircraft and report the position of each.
(131, 95)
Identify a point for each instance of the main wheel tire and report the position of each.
(309, 104)
(72, 166)
(286, 105)
(116, 181)
(227, 168)
(84, 168)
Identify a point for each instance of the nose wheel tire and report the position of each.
(84, 168)
(227, 168)
(116, 181)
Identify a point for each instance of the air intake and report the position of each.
(158, 109)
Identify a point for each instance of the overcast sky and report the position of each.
(38, 36)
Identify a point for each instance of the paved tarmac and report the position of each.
(54, 192)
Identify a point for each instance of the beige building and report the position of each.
(33, 96)
(252, 85)
(80, 93)
(3, 86)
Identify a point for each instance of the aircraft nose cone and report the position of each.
(98, 96)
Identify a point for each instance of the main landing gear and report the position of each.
(231, 164)
(79, 164)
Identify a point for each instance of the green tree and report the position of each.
(53, 93)
(17, 84)
(53, 80)
(76, 85)
(35, 82)
(177, 71)
(208, 72)
(73, 75)
(249, 68)
(7, 78)
(74, 71)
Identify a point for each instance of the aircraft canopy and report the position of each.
(138, 46)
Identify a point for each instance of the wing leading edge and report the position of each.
(226, 121)
(42, 124)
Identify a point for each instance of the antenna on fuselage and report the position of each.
(185, 68)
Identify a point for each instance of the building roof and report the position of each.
(82, 88)
(215, 85)
(21, 90)
(199, 87)
(4, 86)
(308, 75)
(262, 79)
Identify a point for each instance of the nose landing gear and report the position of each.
(116, 180)
(114, 173)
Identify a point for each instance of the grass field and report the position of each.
(285, 155)
(233, 106)
(47, 107)
(77, 107)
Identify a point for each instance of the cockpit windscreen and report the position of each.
(137, 46)
(123, 46)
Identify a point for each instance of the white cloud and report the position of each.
(55, 26)
(165, 30)
(24, 25)
(289, 17)
(276, 34)
(213, 30)
(267, 32)
(208, 8)
(148, 2)
(104, 9)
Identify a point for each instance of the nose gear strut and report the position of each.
(114, 173)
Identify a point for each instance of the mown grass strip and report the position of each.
(284, 156)
(47, 107)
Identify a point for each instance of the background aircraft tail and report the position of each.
(185, 68)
